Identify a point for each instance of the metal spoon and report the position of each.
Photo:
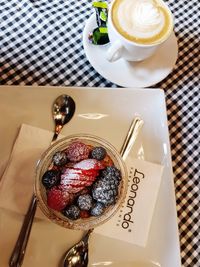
(63, 110)
(77, 255)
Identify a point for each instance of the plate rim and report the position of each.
(158, 91)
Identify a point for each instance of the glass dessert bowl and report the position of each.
(81, 181)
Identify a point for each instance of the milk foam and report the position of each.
(140, 18)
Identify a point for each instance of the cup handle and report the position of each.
(114, 51)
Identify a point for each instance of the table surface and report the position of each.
(41, 44)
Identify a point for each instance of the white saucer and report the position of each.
(131, 74)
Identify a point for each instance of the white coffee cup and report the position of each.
(136, 28)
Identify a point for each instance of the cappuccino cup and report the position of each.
(136, 28)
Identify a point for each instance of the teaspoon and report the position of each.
(77, 255)
(63, 110)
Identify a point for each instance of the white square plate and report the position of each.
(107, 113)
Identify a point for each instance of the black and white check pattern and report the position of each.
(41, 44)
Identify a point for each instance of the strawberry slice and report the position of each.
(71, 173)
(89, 164)
(92, 173)
(70, 188)
(73, 187)
(74, 180)
(57, 199)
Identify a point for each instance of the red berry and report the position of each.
(77, 151)
(57, 199)
(84, 214)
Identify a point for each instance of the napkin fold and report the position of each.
(130, 224)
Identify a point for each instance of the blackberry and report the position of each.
(111, 172)
(59, 158)
(50, 178)
(72, 212)
(84, 202)
(98, 153)
(114, 183)
(97, 209)
(105, 191)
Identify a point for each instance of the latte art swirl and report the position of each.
(142, 20)
(146, 17)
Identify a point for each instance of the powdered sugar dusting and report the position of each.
(89, 164)
(74, 180)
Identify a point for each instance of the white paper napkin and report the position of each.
(130, 224)
(16, 185)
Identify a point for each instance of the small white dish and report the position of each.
(131, 74)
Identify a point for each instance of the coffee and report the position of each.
(145, 22)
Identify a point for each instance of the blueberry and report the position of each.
(97, 209)
(98, 153)
(59, 158)
(84, 202)
(72, 212)
(50, 178)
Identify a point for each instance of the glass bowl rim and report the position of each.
(80, 224)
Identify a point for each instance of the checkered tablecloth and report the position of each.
(41, 44)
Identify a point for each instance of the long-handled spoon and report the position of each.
(63, 110)
(77, 255)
